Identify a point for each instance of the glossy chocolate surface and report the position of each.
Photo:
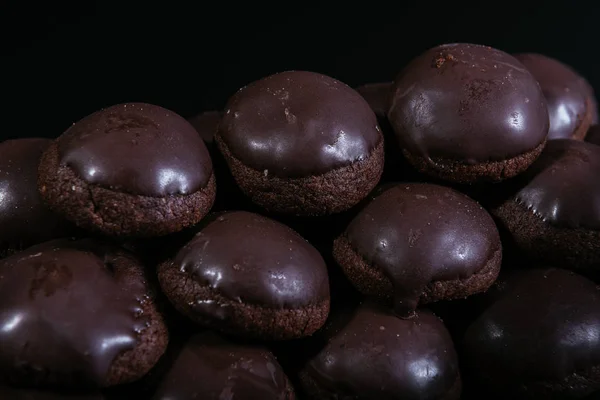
(297, 124)
(68, 308)
(138, 149)
(373, 351)
(567, 93)
(419, 233)
(211, 367)
(544, 326)
(378, 96)
(206, 123)
(25, 220)
(253, 259)
(562, 185)
(469, 103)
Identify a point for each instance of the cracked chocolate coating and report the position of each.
(562, 185)
(138, 149)
(419, 233)
(68, 309)
(24, 218)
(211, 367)
(253, 259)
(567, 93)
(544, 326)
(467, 102)
(297, 124)
(373, 351)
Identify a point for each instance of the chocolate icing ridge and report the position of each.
(210, 367)
(369, 349)
(467, 102)
(255, 260)
(419, 233)
(561, 186)
(139, 149)
(103, 294)
(543, 334)
(568, 95)
(298, 123)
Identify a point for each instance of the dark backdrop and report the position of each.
(66, 61)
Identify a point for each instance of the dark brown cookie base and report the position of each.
(574, 249)
(491, 171)
(371, 281)
(575, 386)
(245, 320)
(325, 194)
(130, 365)
(316, 392)
(115, 213)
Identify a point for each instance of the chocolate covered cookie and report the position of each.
(552, 212)
(468, 113)
(210, 367)
(24, 218)
(539, 339)
(569, 97)
(372, 354)
(248, 275)
(76, 313)
(129, 170)
(301, 143)
(420, 243)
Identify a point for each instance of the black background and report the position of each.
(64, 61)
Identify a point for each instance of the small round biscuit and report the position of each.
(129, 170)
(77, 313)
(247, 275)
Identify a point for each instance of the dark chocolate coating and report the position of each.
(378, 97)
(211, 367)
(374, 354)
(593, 135)
(256, 260)
(206, 123)
(567, 93)
(138, 149)
(298, 124)
(469, 103)
(562, 185)
(544, 327)
(8, 393)
(65, 311)
(419, 233)
(24, 219)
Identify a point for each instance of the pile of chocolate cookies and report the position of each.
(434, 237)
